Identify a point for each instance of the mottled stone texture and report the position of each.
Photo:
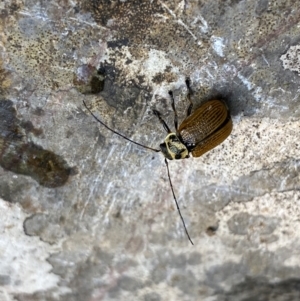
(87, 215)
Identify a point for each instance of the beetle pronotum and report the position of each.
(200, 131)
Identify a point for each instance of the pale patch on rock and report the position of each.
(24, 267)
(291, 59)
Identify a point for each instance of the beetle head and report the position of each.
(173, 148)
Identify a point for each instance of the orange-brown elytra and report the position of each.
(201, 131)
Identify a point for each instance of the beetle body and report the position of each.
(200, 131)
(207, 127)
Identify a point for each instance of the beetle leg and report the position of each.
(174, 110)
(190, 107)
(157, 114)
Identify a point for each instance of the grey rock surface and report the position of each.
(87, 215)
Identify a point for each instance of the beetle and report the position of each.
(202, 130)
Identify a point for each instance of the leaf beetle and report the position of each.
(202, 130)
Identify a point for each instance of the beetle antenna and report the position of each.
(139, 144)
(186, 231)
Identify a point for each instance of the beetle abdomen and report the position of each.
(206, 127)
(213, 140)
